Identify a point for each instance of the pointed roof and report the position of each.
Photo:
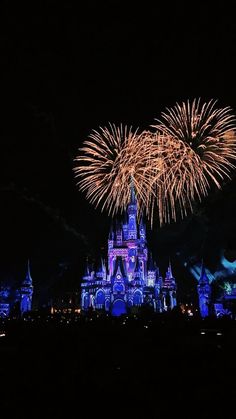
(119, 267)
(141, 223)
(151, 264)
(133, 200)
(132, 195)
(125, 219)
(87, 268)
(102, 266)
(203, 276)
(111, 232)
(104, 269)
(28, 280)
(169, 270)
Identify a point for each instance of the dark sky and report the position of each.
(68, 68)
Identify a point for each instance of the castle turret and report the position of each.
(111, 237)
(142, 231)
(26, 292)
(87, 271)
(101, 272)
(204, 293)
(119, 233)
(137, 272)
(151, 273)
(132, 277)
(169, 289)
(132, 215)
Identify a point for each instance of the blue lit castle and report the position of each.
(16, 300)
(131, 278)
(204, 293)
(225, 304)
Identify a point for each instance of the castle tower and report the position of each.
(142, 231)
(169, 289)
(26, 291)
(204, 293)
(132, 215)
(151, 272)
(132, 278)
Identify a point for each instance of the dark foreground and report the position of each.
(103, 367)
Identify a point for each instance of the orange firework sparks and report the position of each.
(201, 148)
(107, 162)
(193, 146)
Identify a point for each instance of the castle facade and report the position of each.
(130, 278)
(18, 299)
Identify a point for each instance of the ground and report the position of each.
(130, 367)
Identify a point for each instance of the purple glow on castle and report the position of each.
(131, 278)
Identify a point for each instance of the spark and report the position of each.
(109, 160)
(200, 150)
(192, 148)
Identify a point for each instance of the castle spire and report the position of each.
(170, 269)
(151, 266)
(26, 291)
(133, 199)
(204, 293)
(28, 279)
(132, 213)
(87, 270)
(142, 230)
(203, 276)
(111, 232)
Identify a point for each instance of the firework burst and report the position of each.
(200, 149)
(109, 160)
(192, 147)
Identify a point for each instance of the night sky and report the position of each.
(68, 68)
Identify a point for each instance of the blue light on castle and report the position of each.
(131, 278)
(224, 304)
(20, 297)
(204, 293)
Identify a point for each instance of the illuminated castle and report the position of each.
(225, 304)
(204, 293)
(16, 300)
(131, 278)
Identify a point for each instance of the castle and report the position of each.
(131, 279)
(204, 293)
(224, 305)
(16, 300)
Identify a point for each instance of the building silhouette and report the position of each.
(204, 293)
(129, 278)
(16, 300)
(222, 305)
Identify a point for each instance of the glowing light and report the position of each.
(192, 148)
(199, 151)
(109, 160)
